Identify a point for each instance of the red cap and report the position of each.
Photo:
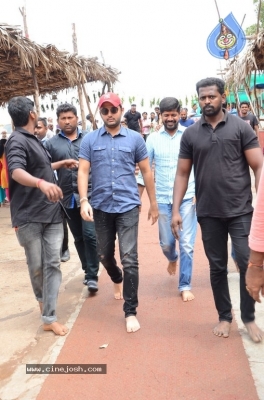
(111, 98)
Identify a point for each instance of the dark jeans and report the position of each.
(215, 235)
(85, 242)
(65, 243)
(125, 225)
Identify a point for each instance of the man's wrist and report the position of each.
(84, 199)
(250, 265)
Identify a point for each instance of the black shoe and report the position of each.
(92, 286)
(65, 256)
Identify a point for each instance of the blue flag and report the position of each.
(227, 39)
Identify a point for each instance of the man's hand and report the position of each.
(153, 213)
(176, 225)
(71, 163)
(255, 282)
(86, 211)
(52, 191)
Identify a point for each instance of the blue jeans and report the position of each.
(186, 242)
(125, 225)
(85, 242)
(42, 244)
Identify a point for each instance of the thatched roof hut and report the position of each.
(23, 63)
(241, 68)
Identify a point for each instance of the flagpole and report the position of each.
(217, 9)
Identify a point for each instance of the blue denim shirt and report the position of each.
(113, 160)
(163, 150)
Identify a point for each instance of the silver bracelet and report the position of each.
(83, 199)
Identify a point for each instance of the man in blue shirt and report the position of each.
(184, 120)
(163, 149)
(113, 152)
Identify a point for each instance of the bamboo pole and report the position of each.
(33, 71)
(79, 86)
(89, 107)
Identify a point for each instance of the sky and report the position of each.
(159, 47)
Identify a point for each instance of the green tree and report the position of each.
(251, 30)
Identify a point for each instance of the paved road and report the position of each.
(173, 356)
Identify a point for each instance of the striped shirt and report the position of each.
(163, 150)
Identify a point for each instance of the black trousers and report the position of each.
(215, 235)
(65, 243)
(125, 225)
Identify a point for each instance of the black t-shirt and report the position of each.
(251, 120)
(222, 177)
(28, 204)
(133, 120)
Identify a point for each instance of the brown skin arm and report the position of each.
(255, 160)
(69, 163)
(83, 179)
(141, 126)
(255, 275)
(255, 281)
(52, 191)
(256, 129)
(150, 186)
(180, 186)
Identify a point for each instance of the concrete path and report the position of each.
(173, 356)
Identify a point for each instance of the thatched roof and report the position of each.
(55, 70)
(240, 69)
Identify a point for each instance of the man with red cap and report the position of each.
(113, 151)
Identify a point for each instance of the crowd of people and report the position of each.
(201, 173)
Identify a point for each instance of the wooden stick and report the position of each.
(79, 87)
(89, 107)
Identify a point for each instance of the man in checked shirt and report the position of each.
(163, 149)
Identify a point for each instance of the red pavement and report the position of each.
(174, 356)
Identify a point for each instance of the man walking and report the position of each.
(247, 117)
(184, 121)
(163, 150)
(35, 207)
(113, 151)
(133, 118)
(221, 147)
(63, 146)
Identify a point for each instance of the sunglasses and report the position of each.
(105, 111)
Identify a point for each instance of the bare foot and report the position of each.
(118, 291)
(172, 267)
(222, 329)
(187, 295)
(40, 306)
(132, 324)
(56, 327)
(255, 333)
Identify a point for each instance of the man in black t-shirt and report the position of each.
(35, 207)
(221, 148)
(133, 118)
(247, 117)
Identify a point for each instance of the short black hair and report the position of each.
(43, 120)
(19, 108)
(219, 83)
(244, 102)
(66, 107)
(133, 104)
(169, 104)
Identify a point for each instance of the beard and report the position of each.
(172, 126)
(69, 129)
(210, 111)
(112, 124)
